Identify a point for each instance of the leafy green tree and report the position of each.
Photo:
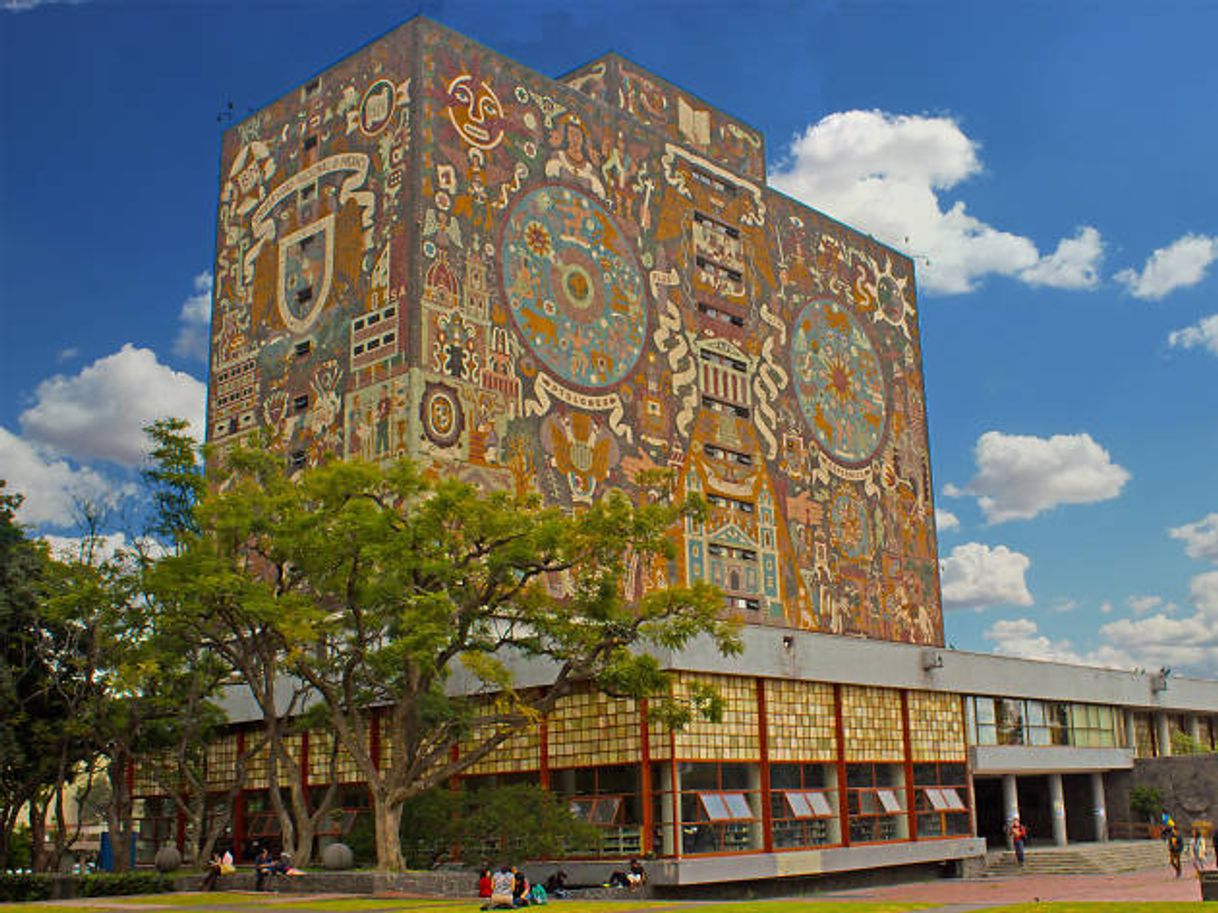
(1146, 801)
(431, 606)
(516, 821)
(32, 739)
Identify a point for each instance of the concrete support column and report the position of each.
(1195, 729)
(1162, 734)
(1101, 807)
(757, 828)
(1010, 804)
(1131, 731)
(1057, 807)
(668, 833)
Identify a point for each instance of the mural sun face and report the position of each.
(574, 286)
(839, 382)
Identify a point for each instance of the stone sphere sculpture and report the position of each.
(337, 856)
(168, 859)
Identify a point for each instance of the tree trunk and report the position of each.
(38, 834)
(119, 813)
(388, 833)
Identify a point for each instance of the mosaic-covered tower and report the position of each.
(430, 250)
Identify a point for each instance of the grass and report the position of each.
(234, 902)
(1124, 906)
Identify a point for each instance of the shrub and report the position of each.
(19, 888)
(1146, 801)
(107, 884)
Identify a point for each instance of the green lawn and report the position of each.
(1164, 906)
(234, 902)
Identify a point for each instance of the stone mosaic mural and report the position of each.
(551, 286)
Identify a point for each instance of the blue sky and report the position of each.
(1050, 165)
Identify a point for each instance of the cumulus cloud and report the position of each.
(885, 173)
(1074, 265)
(975, 576)
(1203, 334)
(54, 490)
(194, 334)
(1020, 476)
(1022, 637)
(1200, 539)
(1189, 642)
(1182, 263)
(945, 520)
(100, 412)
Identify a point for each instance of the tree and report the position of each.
(32, 738)
(377, 586)
(1146, 801)
(517, 821)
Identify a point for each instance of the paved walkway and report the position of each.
(978, 893)
(956, 896)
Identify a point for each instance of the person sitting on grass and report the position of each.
(503, 883)
(520, 888)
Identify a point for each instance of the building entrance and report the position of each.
(987, 794)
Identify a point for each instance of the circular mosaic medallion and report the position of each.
(574, 286)
(442, 416)
(839, 381)
(851, 528)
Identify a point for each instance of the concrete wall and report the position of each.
(1188, 785)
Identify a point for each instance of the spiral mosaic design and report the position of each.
(574, 286)
(839, 382)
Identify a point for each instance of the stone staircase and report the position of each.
(1079, 859)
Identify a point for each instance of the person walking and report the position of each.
(1019, 838)
(1175, 846)
(1198, 851)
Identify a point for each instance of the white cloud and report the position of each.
(1063, 605)
(945, 520)
(1143, 604)
(54, 490)
(975, 576)
(67, 354)
(1203, 334)
(100, 412)
(1021, 637)
(1200, 538)
(1019, 476)
(1179, 265)
(21, 6)
(885, 173)
(1105, 608)
(194, 334)
(1074, 265)
(103, 548)
(1188, 643)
